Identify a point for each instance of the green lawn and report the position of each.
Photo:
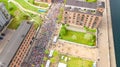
(77, 62)
(60, 15)
(41, 4)
(10, 6)
(28, 6)
(78, 37)
(91, 1)
(38, 21)
(72, 62)
(31, 1)
(18, 16)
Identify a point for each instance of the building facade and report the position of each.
(24, 48)
(4, 16)
(80, 13)
(15, 51)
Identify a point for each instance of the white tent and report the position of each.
(62, 65)
(48, 63)
(51, 53)
(55, 39)
(94, 64)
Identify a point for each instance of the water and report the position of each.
(115, 11)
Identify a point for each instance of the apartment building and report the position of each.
(15, 51)
(4, 16)
(81, 13)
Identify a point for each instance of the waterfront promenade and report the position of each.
(110, 34)
(105, 40)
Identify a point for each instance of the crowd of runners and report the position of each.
(35, 58)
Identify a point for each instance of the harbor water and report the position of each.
(115, 14)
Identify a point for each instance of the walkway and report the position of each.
(105, 42)
(18, 5)
(36, 6)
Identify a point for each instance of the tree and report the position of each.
(41, 65)
(63, 31)
(88, 36)
(46, 51)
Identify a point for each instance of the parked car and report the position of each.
(1, 37)
(2, 34)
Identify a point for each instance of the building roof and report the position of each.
(62, 65)
(79, 3)
(1, 4)
(97, 13)
(11, 48)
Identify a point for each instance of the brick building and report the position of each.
(80, 13)
(17, 48)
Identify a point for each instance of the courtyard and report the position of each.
(70, 61)
(77, 37)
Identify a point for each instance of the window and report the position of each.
(69, 21)
(69, 17)
(65, 12)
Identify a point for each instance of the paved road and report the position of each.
(43, 38)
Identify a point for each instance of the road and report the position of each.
(44, 36)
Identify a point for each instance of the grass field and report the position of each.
(77, 62)
(28, 6)
(31, 1)
(91, 1)
(41, 4)
(18, 16)
(77, 37)
(10, 6)
(72, 61)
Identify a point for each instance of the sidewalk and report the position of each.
(103, 40)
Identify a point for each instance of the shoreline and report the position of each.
(110, 35)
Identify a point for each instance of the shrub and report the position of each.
(63, 31)
(46, 51)
(41, 65)
(45, 58)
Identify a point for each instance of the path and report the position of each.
(105, 42)
(36, 6)
(18, 5)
